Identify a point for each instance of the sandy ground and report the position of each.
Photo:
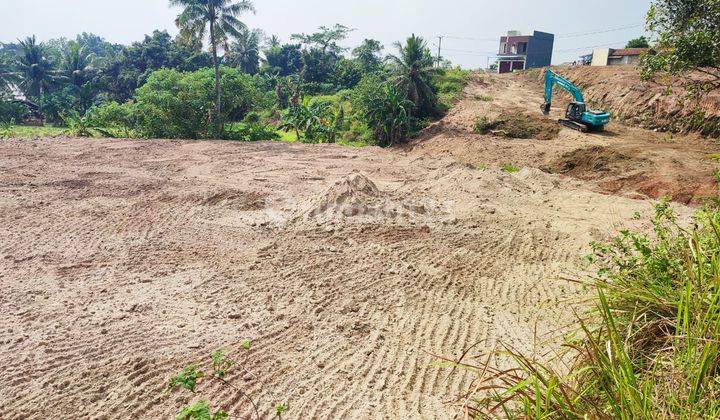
(123, 261)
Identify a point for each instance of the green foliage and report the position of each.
(413, 72)
(384, 109)
(650, 349)
(326, 39)
(280, 409)
(201, 411)
(180, 105)
(368, 55)
(510, 168)
(221, 363)
(483, 125)
(122, 119)
(130, 69)
(687, 32)
(318, 121)
(284, 60)
(37, 71)
(483, 98)
(641, 42)
(244, 52)
(12, 112)
(187, 379)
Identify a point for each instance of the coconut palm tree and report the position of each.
(413, 68)
(37, 73)
(219, 20)
(245, 51)
(77, 64)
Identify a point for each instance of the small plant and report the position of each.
(482, 166)
(650, 348)
(483, 125)
(201, 411)
(7, 130)
(510, 168)
(483, 98)
(280, 409)
(221, 365)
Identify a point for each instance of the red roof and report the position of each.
(627, 51)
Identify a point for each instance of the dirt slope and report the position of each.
(123, 261)
(624, 160)
(654, 104)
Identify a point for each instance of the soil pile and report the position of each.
(357, 196)
(595, 162)
(516, 124)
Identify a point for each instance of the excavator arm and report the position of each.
(552, 79)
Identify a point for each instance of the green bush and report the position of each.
(12, 112)
(650, 350)
(181, 105)
(121, 118)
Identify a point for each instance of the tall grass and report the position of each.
(648, 350)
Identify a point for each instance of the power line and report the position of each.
(559, 36)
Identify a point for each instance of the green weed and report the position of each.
(510, 168)
(483, 98)
(648, 350)
(221, 365)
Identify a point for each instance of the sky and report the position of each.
(471, 28)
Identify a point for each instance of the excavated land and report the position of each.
(123, 261)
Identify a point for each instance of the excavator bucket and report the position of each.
(545, 108)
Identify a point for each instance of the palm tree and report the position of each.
(245, 51)
(77, 63)
(413, 68)
(219, 20)
(36, 70)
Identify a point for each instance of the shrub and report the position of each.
(122, 118)
(181, 105)
(383, 109)
(12, 112)
(650, 350)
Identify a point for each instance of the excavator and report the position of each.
(578, 116)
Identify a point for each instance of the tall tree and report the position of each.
(219, 20)
(326, 39)
(37, 71)
(368, 54)
(244, 53)
(686, 34)
(413, 67)
(77, 64)
(641, 42)
(8, 77)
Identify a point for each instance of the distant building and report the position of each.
(520, 52)
(616, 57)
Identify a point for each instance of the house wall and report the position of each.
(511, 41)
(600, 57)
(540, 50)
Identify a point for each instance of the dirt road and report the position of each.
(123, 261)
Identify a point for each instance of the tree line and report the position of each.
(220, 79)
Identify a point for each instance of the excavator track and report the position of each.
(574, 125)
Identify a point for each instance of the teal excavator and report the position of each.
(577, 116)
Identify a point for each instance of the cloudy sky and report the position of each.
(471, 27)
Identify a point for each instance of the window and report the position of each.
(521, 47)
(503, 47)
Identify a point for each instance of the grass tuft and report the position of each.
(650, 347)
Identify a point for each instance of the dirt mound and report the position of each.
(649, 104)
(595, 162)
(357, 196)
(517, 124)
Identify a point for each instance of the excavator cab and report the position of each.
(577, 115)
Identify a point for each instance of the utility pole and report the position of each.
(440, 38)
